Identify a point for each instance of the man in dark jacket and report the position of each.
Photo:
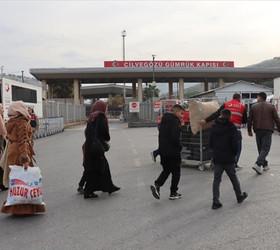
(170, 152)
(224, 144)
(263, 117)
(238, 117)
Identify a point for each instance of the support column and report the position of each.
(76, 91)
(221, 82)
(170, 89)
(134, 90)
(44, 89)
(181, 89)
(276, 92)
(49, 91)
(206, 85)
(140, 90)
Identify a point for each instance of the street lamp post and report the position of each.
(154, 69)
(154, 81)
(123, 36)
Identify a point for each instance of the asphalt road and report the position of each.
(132, 218)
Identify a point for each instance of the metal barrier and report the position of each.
(49, 126)
(196, 151)
(69, 111)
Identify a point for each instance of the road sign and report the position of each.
(134, 107)
(157, 106)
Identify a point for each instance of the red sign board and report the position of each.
(169, 64)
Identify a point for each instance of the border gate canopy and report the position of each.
(120, 74)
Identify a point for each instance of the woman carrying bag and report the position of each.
(20, 152)
(97, 171)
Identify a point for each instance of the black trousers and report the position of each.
(218, 172)
(83, 180)
(173, 167)
(263, 139)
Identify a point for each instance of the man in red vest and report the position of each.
(238, 117)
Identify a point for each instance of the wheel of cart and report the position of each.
(201, 167)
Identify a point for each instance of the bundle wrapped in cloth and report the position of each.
(200, 111)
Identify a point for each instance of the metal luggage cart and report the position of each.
(196, 150)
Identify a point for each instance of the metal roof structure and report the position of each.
(119, 75)
(102, 91)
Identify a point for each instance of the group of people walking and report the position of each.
(225, 142)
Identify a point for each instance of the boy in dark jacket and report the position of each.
(224, 144)
(170, 152)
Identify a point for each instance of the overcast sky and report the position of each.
(37, 34)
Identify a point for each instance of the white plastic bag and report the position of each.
(199, 111)
(25, 186)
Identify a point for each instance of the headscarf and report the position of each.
(99, 107)
(18, 108)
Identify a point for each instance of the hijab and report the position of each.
(99, 107)
(18, 108)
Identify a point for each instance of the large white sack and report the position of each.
(25, 186)
(200, 111)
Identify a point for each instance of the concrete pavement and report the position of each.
(132, 218)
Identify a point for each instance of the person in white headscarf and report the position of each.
(20, 151)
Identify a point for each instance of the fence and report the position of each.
(69, 111)
(49, 126)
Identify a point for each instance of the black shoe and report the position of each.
(80, 190)
(155, 191)
(241, 198)
(237, 167)
(92, 195)
(175, 196)
(3, 188)
(217, 205)
(114, 189)
(154, 158)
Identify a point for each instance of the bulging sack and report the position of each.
(25, 186)
(200, 111)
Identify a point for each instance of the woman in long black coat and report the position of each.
(97, 171)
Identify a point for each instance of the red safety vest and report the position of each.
(237, 109)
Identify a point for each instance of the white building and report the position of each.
(29, 91)
(247, 90)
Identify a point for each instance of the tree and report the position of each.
(62, 90)
(151, 91)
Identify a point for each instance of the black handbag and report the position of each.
(97, 146)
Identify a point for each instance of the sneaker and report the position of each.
(153, 157)
(80, 190)
(241, 198)
(217, 205)
(155, 191)
(175, 196)
(266, 168)
(258, 169)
